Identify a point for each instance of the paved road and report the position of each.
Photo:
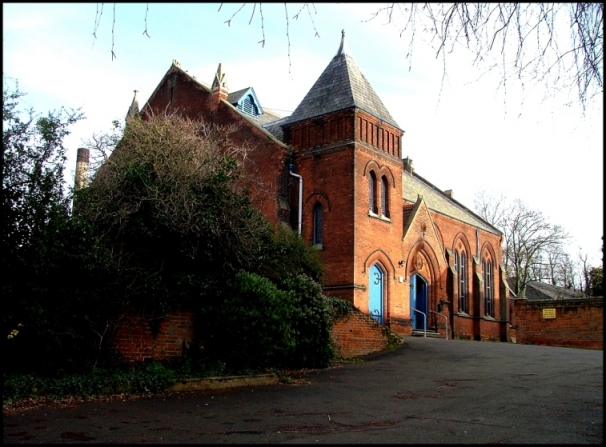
(428, 391)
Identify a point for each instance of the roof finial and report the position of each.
(133, 110)
(342, 47)
(220, 80)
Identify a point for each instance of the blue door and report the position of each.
(375, 299)
(418, 301)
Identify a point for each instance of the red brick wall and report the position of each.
(354, 335)
(578, 323)
(358, 334)
(136, 342)
(264, 168)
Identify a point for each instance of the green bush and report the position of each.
(248, 327)
(339, 308)
(311, 322)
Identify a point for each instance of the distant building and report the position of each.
(537, 290)
(395, 245)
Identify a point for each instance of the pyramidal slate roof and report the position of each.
(341, 86)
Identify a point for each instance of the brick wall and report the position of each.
(358, 334)
(136, 341)
(578, 322)
(354, 335)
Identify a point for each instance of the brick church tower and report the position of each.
(392, 243)
(347, 147)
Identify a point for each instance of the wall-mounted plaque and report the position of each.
(549, 313)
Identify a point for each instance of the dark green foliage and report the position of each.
(311, 322)
(596, 281)
(339, 308)
(65, 304)
(286, 254)
(49, 261)
(249, 324)
(152, 377)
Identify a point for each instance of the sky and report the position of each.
(463, 130)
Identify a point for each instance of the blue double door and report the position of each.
(418, 302)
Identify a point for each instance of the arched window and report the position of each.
(372, 193)
(384, 197)
(463, 283)
(318, 224)
(488, 289)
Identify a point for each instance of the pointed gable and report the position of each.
(417, 220)
(341, 86)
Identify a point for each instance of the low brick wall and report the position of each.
(353, 335)
(136, 341)
(358, 334)
(578, 323)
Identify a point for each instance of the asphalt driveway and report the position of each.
(428, 391)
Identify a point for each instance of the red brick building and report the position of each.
(396, 246)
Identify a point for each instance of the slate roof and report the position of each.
(341, 86)
(536, 290)
(414, 185)
(274, 127)
(234, 97)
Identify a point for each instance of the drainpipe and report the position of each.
(291, 165)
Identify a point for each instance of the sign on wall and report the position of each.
(549, 314)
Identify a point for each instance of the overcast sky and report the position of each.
(462, 131)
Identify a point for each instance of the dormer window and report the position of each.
(246, 101)
(248, 106)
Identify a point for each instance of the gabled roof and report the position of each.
(341, 86)
(536, 290)
(413, 186)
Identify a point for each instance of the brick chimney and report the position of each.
(408, 165)
(82, 163)
(220, 89)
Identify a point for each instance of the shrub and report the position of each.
(311, 322)
(249, 325)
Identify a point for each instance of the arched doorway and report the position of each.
(418, 302)
(375, 295)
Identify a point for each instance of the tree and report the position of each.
(48, 260)
(530, 240)
(523, 41)
(169, 204)
(33, 158)
(596, 281)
